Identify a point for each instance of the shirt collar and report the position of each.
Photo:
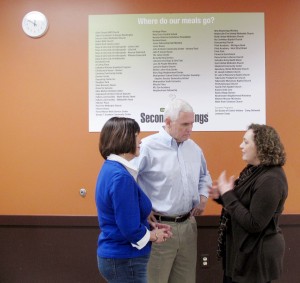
(167, 138)
(130, 167)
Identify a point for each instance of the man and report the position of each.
(174, 175)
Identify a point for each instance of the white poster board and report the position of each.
(139, 62)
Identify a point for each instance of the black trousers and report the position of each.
(227, 279)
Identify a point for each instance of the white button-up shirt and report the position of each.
(173, 176)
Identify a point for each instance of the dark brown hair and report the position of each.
(269, 148)
(118, 136)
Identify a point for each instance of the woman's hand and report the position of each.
(160, 232)
(213, 191)
(167, 228)
(160, 235)
(223, 185)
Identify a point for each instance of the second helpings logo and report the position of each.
(159, 118)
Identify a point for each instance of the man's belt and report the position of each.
(180, 218)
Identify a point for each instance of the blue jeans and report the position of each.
(127, 270)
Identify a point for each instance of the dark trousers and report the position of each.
(227, 279)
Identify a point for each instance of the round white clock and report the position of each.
(35, 24)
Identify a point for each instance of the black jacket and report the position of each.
(254, 243)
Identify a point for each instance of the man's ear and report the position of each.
(168, 121)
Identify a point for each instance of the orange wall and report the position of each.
(46, 151)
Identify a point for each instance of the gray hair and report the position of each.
(176, 106)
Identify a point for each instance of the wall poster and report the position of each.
(139, 62)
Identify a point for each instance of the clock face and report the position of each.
(35, 24)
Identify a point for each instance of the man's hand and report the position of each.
(198, 210)
(152, 220)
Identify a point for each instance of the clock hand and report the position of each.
(33, 22)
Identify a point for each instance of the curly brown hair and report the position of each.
(269, 148)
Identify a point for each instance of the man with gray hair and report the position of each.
(174, 175)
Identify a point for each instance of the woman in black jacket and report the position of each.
(250, 241)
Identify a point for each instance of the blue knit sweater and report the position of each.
(123, 209)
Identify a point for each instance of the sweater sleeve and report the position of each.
(267, 194)
(125, 199)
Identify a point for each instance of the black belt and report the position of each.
(180, 218)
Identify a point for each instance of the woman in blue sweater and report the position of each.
(124, 243)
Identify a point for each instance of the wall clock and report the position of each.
(35, 24)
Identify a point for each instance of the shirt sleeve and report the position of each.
(205, 178)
